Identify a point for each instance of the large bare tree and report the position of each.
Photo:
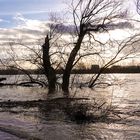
(89, 17)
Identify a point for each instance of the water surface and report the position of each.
(35, 123)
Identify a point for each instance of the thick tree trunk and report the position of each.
(49, 70)
(69, 65)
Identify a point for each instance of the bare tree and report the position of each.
(55, 31)
(125, 49)
(20, 61)
(49, 70)
(90, 16)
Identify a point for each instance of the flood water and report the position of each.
(33, 123)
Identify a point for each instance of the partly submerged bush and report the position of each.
(92, 112)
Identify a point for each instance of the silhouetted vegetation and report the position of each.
(113, 69)
(80, 110)
(65, 46)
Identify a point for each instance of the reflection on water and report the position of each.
(22, 93)
(35, 123)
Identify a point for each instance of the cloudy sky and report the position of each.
(26, 19)
(31, 9)
(11, 10)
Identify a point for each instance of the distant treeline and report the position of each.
(123, 69)
(113, 69)
(93, 69)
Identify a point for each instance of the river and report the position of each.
(32, 123)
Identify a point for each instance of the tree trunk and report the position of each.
(49, 70)
(69, 65)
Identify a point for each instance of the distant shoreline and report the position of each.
(75, 71)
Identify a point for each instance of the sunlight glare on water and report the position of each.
(53, 125)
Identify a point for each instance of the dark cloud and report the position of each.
(30, 36)
(120, 25)
(60, 28)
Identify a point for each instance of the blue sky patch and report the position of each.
(32, 9)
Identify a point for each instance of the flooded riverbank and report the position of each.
(54, 124)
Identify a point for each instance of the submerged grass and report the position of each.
(80, 110)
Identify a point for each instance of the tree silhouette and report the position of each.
(66, 45)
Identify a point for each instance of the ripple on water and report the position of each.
(54, 126)
(7, 136)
